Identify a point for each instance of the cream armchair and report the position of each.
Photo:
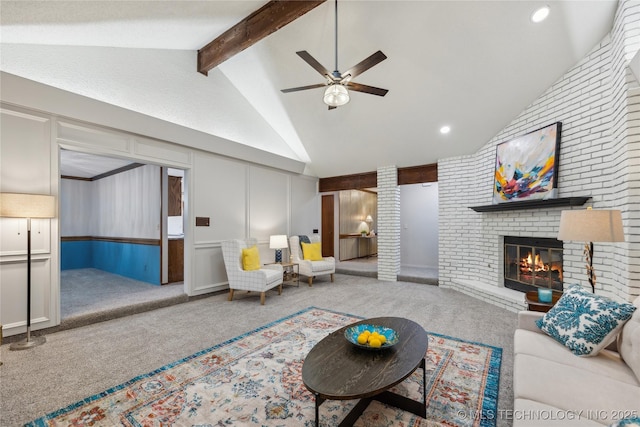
(311, 269)
(268, 277)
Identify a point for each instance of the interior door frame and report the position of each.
(188, 256)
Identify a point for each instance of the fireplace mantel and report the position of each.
(532, 204)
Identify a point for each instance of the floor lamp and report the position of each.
(590, 226)
(14, 205)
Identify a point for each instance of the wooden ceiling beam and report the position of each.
(361, 181)
(418, 174)
(264, 21)
(357, 181)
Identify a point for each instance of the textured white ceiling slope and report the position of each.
(473, 65)
(159, 83)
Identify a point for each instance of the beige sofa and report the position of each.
(553, 387)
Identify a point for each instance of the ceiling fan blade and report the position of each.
(363, 66)
(367, 89)
(315, 64)
(295, 89)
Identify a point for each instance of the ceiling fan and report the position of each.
(336, 93)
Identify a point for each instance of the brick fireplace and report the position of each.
(596, 101)
(532, 263)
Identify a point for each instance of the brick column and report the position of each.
(388, 224)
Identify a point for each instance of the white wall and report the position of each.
(419, 225)
(77, 214)
(242, 199)
(122, 205)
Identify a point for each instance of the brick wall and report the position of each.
(598, 103)
(388, 223)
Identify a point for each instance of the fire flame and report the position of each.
(529, 264)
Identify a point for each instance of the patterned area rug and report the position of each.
(255, 380)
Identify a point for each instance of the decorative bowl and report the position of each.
(352, 332)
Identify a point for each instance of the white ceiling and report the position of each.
(473, 65)
(83, 165)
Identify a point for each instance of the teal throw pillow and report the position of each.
(585, 322)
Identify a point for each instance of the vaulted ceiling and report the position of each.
(471, 65)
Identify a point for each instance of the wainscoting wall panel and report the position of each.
(210, 273)
(305, 205)
(13, 293)
(26, 167)
(138, 261)
(220, 195)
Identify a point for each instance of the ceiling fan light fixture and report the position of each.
(336, 95)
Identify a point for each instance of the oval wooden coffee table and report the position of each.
(335, 369)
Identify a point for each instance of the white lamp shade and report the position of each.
(363, 227)
(591, 225)
(368, 219)
(16, 205)
(278, 242)
(336, 95)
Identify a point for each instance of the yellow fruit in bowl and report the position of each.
(362, 338)
(375, 343)
(382, 339)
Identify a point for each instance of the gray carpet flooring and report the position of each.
(368, 267)
(87, 290)
(90, 295)
(77, 363)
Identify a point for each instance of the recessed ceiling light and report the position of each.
(445, 129)
(540, 14)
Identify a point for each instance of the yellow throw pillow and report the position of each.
(312, 251)
(251, 259)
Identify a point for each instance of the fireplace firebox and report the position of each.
(532, 263)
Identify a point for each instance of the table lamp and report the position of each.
(15, 205)
(278, 242)
(590, 226)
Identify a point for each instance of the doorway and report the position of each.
(112, 237)
(328, 222)
(175, 225)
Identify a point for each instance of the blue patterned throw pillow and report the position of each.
(627, 422)
(584, 322)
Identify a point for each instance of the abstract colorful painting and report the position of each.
(526, 167)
